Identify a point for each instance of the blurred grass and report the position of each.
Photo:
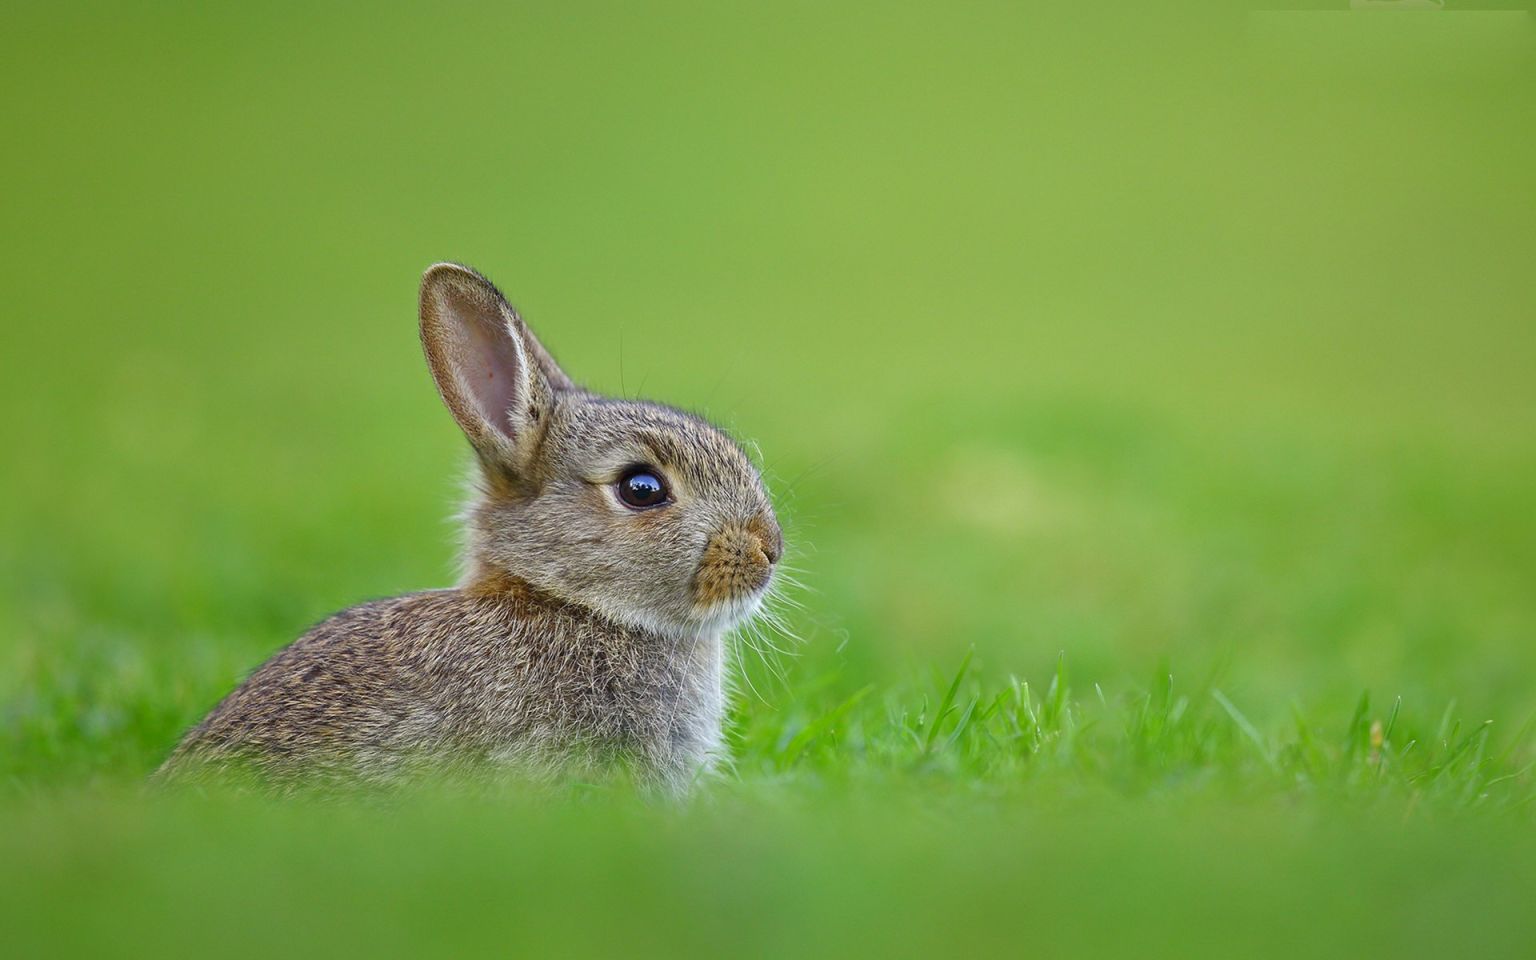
(1177, 341)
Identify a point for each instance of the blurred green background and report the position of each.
(1189, 339)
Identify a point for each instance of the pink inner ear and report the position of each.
(492, 371)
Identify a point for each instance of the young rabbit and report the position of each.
(610, 545)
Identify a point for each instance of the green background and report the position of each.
(1170, 340)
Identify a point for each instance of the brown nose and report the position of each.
(770, 540)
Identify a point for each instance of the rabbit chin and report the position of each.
(726, 614)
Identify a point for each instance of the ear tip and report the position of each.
(447, 281)
(447, 271)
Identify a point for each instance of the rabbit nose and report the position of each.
(772, 549)
(770, 539)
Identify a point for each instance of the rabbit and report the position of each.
(610, 544)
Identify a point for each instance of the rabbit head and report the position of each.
(647, 515)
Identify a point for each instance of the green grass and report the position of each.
(1147, 397)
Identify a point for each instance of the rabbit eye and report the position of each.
(641, 488)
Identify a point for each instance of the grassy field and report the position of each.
(1148, 397)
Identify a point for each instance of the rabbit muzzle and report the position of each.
(738, 562)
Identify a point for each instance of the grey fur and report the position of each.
(584, 632)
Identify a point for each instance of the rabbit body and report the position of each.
(609, 546)
(496, 674)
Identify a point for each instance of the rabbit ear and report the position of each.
(497, 380)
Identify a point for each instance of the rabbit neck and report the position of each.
(493, 583)
(675, 724)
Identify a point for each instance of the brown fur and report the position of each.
(583, 633)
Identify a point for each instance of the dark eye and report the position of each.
(641, 487)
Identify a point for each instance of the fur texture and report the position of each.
(585, 633)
